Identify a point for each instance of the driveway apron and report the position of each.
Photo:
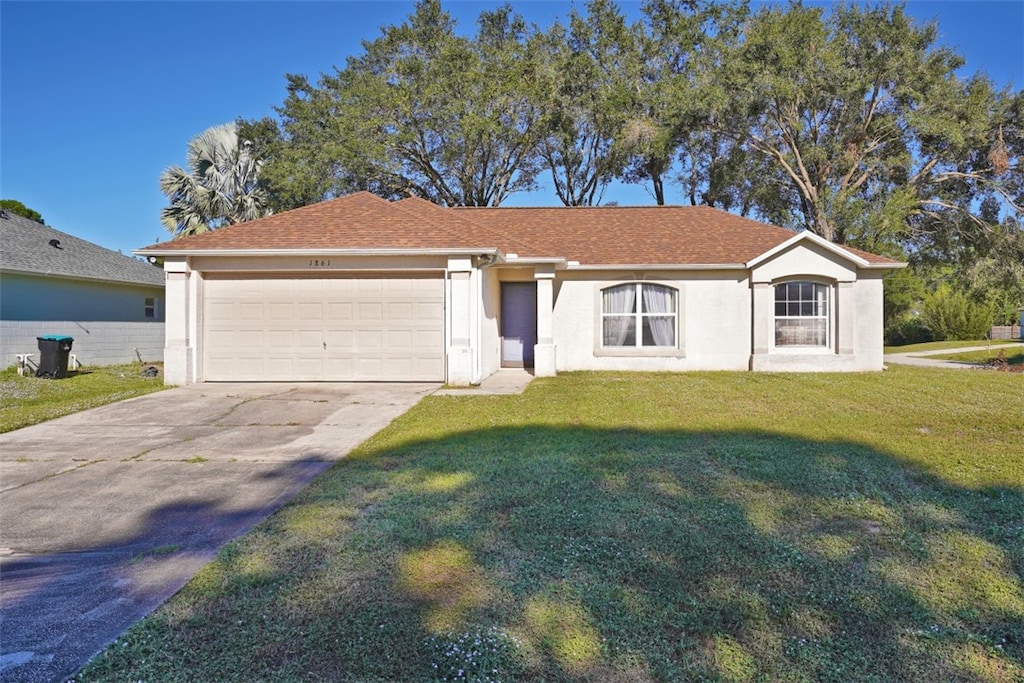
(106, 513)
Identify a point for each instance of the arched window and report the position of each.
(801, 314)
(642, 306)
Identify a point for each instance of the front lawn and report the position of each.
(635, 527)
(29, 400)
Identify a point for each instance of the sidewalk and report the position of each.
(505, 382)
(919, 358)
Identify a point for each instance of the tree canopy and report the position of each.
(220, 187)
(16, 207)
(850, 121)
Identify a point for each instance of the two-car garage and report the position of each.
(317, 328)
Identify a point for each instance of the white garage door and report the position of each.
(316, 329)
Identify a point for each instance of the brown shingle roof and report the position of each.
(670, 235)
(634, 235)
(355, 221)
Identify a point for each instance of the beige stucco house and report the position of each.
(359, 288)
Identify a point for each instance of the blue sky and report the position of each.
(97, 98)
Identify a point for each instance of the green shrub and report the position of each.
(952, 316)
(907, 329)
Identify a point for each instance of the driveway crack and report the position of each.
(53, 475)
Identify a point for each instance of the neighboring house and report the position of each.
(359, 288)
(54, 283)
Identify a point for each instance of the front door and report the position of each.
(518, 324)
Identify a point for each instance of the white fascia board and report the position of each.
(887, 266)
(816, 239)
(317, 252)
(659, 266)
(513, 260)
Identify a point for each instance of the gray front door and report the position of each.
(518, 323)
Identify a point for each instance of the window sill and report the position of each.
(803, 350)
(639, 352)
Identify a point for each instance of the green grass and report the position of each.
(635, 527)
(30, 400)
(935, 346)
(1014, 356)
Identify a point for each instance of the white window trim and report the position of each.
(155, 306)
(676, 351)
(830, 322)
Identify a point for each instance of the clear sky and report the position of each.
(97, 98)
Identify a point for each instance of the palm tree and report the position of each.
(220, 187)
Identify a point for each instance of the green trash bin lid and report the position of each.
(57, 338)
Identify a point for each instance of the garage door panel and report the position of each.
(280, 339)
(398, 340)
(369, 341)
(249, 310)
(337, 329)
(340, 310)
(370, 311)
(339, 339)
(429, 339)
(249, 340)
(220, 338)
(400, 310)
(369, 367)
(221, 310)
(279, 311)
(310, 310)
(306, 286)
(309, 339)
(307, 367)
(425, 311)
(374, 287)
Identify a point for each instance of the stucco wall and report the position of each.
(96, 343)
(714, 324)
(25, 297)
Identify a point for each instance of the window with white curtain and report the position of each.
(801, 314)
(638, 314)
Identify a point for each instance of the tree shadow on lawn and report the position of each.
(610, 555)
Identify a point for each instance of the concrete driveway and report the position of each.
(106, 513)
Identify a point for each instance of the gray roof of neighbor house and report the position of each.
(31, 248)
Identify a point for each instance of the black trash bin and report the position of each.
(54, 350)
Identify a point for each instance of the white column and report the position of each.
(762, 321)
(845, 313)
(178, 367)
(460, 306)
(544, 351)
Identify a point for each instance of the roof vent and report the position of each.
(4, 214)
(55, 243)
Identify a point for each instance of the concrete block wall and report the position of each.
(96, 343)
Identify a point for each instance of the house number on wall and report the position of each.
(319, 262)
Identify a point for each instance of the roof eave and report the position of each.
(656, 266)
(318, 252)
